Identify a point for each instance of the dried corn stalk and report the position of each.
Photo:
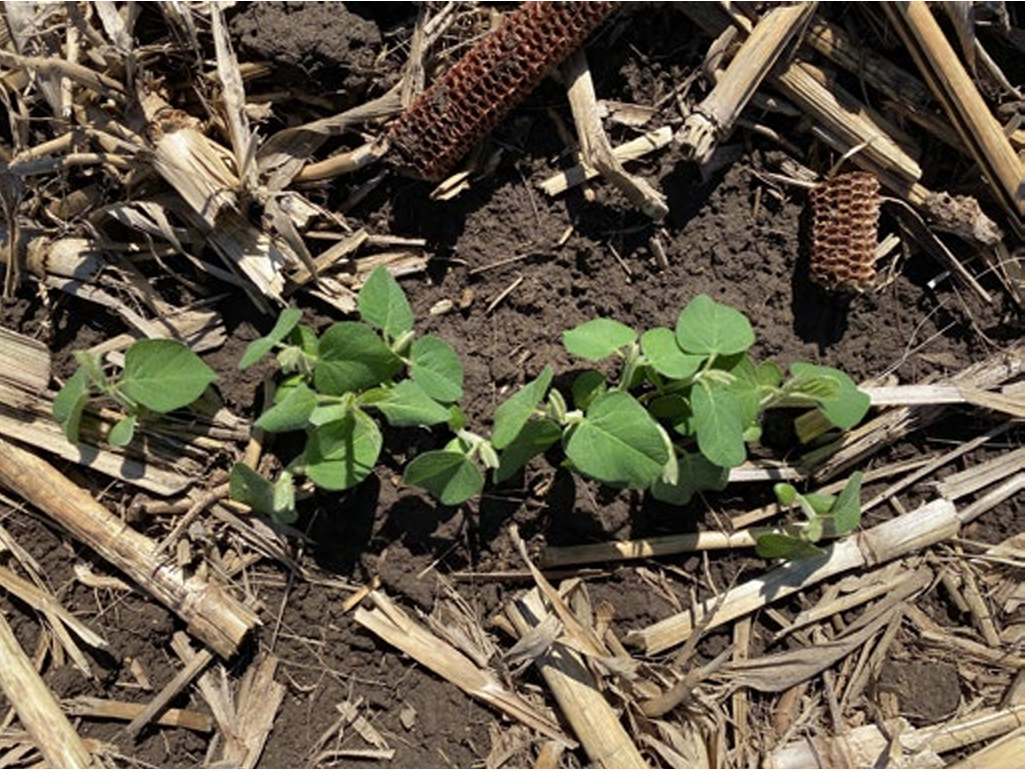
(491, 78)
(845, 211)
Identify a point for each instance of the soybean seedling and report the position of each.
(826, 515)
(159, 376)
(336, 388)
(682, 411)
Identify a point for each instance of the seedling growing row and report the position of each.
(685, 405)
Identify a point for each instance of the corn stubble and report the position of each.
(490, 80)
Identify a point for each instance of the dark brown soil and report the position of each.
(730, 236)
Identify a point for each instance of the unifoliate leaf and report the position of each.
(718, 424)
(847, 510)
(850, 404)
(598, 338)
(706, 327)
(513, 413)
(618, 443)
(275, 500)
(782, 546)
(258, 348)
(330, 411)
(91, 364)
(535, 438)
(408, 405)
(383, 304)
(664, 354)
(694, 474)
(70, 402)
(343, 452)
(786, 494)
(164, 374)
(815, 504)
(450, 476)
(291, 412)
(351, 357)
(123, 431)
(436, 367)
(768, 374)
(587, 386)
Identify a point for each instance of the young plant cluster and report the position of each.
(678, 416)
(679, 413)
(826, 515)
(339, 386)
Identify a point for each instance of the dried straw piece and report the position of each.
(845, 212)
(212, 615)
(715, 117)
(37, 709)
(491, 78)
(963, 104)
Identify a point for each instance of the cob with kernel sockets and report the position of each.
(470, 99)
(845, 212)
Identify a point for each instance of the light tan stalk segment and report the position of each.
(37, 709)
(714, 118)
(213, 616)
(951, 84)
(928, 525)
(585, 708)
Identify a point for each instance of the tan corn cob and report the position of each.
(845, 211)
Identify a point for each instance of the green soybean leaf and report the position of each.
(815, 505)
(850, 404)
(122, 432)
(275, 500)
(258, 348)
(351, 357)
(408, 406)
(746, 387)
(598, 338)
(164, 374)
(329, 412)
(847, 510)
(694, 474)
(786, 494)
(706, 327)
(587, 386)
(534, 439)
(436, 367)
(618, 442)
(782, 546)
(70, 402)
(717, 420)
(513, 413)
(768, 374)
(383, 304)
(290, 413)
(664, 354)
(343, 452)
(450, 476)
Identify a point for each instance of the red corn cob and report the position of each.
(482, 87)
